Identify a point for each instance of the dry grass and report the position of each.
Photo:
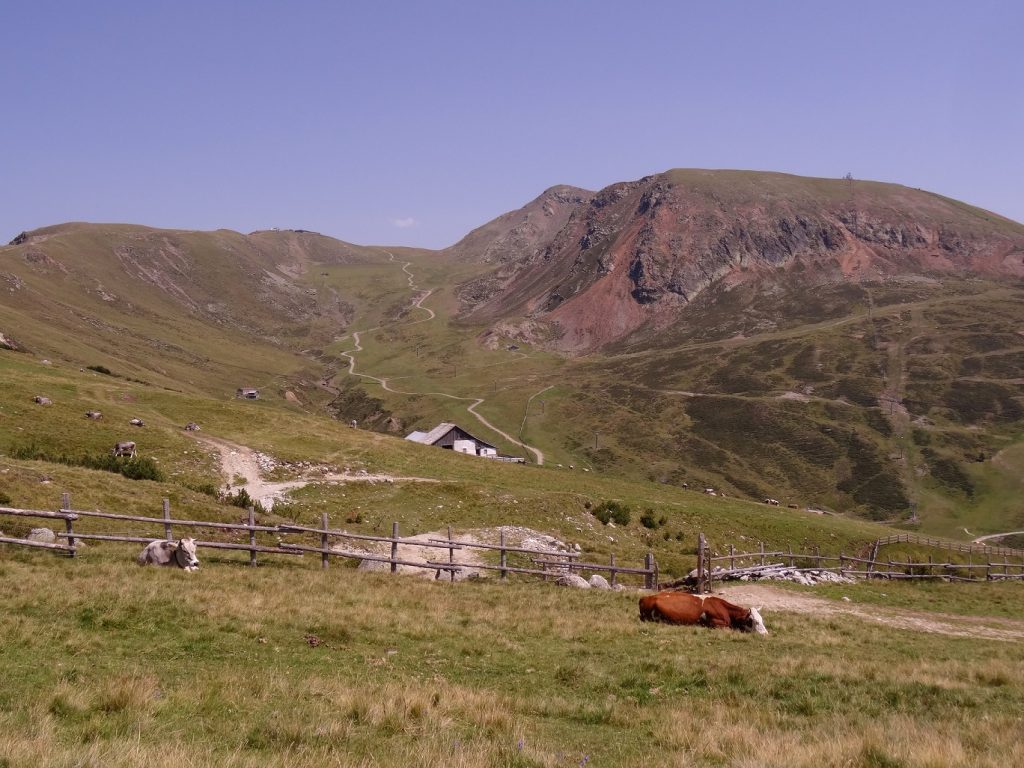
(107, 664)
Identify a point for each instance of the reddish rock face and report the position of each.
(635, 254)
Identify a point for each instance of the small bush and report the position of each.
(139, 468)
(100, 369)
(244, 500)
(4, 498)
(207, 489)
(648, 520)
(612, 511)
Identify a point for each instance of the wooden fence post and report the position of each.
(451, 557)
(167, 516)
(792, 563)
(612, 571)
(325, 541)
(649, 566)
(394, 546)
(732, 557)
(65, 505)
(504, 555)
(700, 562)
(817, 556)
(252, 537)
(841, 563)
(761, 544)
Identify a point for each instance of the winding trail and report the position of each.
(383, 382)
(989, 537)
(241, 462)
(953, 625)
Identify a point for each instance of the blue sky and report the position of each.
(411, 123)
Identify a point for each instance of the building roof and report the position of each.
(442, 429)
(431, 437)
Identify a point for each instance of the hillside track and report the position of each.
(474, 402)
(771, 599)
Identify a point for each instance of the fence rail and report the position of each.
(739, 563)
(551, 561)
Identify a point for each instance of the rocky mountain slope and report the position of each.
(636, 254)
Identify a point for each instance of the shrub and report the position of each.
(612, 511)
(4, 498)
(242, 499)
(100, 369)
(139, 468)
(648, 520)
(207, 489)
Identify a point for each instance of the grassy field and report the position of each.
(106, 664)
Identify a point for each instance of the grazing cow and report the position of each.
(683, 608)
(191, 427)
(94, 415)
(126, 448)
(772, 502)
(40, 400)
(180, 553)
(137, 423)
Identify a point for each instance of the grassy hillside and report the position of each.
(898, 401)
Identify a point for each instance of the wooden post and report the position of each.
(65, 505)
(970, 561)
(841, 562)
(792, 564)
(612, 572)
(325, 541)
(394, 546)
(988, 571)
(700, 562)
(711, 570)
(649, 566)
(451, 556)
(504, 555)
(252, 537)
(929, 565)
(761, 544)
(817, 556)
(732, 557)
(167, 516)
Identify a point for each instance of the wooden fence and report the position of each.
(545, 563)
(949, 546)
(749, 563)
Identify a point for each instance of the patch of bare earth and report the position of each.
(242, 467)
(786, 601)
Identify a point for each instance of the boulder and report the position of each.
(44, 535)
(599, 582)
(572, 580)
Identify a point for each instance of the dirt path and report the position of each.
(989, 537)
(241, 463)
(383, 382)
(786, 601)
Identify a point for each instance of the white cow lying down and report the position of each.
(180, 553)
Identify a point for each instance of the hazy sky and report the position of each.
(411, 123)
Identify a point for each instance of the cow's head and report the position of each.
(757, 623)
(187, 554)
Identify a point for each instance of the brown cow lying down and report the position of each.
(180, 553)
(683, 608)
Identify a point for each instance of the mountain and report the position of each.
(829, 343)
(635, 254)
(172, 305)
